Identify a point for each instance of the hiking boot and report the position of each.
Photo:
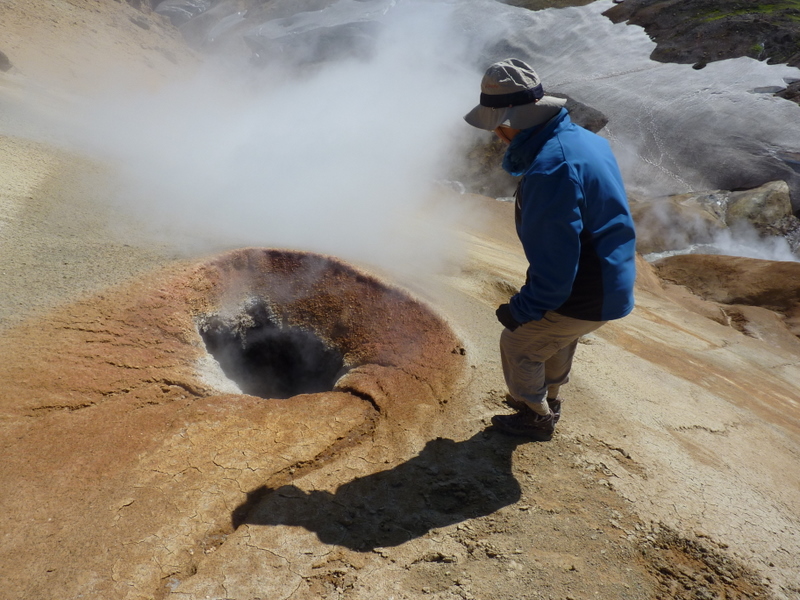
(555, 408)
(526, 423)
(553, 403)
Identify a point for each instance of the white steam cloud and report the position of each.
(744, 240)
(338, 158)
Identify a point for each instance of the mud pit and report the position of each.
(267, 360)
(285, 323)
(128, 371)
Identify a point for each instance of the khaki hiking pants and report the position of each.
(537, 357)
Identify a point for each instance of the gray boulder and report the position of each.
(5, 64)
(768, 209)
(674, 223)
(762, 207)
(679, 221)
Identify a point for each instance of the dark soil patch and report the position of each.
(694, 570)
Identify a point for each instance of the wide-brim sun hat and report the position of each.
(512, 96)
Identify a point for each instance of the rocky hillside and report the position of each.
(701, 31)
(698, 32)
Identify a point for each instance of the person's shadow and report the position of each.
(448, 482)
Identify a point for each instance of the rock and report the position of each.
(678, 221)
(768, 209)
(673, 223)
(791, 92)
(733, 280)
(789, 229)
(583, 114)
(140, 22)
(762, 207)
(5, 64)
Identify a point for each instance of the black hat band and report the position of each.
(515, 99)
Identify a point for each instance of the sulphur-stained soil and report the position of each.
(134, 466)
(111, 413)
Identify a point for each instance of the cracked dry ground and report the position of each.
(127, 475)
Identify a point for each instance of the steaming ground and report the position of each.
(655, 109)
(340, 157)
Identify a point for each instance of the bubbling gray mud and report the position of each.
(267, 359)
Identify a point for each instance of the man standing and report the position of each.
(576, 229)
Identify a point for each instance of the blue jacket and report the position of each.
(574, 224)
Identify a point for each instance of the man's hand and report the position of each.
(503, 313)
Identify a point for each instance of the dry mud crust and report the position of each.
(486, 517)
(702, 31)
(121, 450)
(732, 280)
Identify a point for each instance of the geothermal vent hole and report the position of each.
(267, 359)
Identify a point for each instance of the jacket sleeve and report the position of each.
(549, 227)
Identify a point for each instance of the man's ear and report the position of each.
(501, 133)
